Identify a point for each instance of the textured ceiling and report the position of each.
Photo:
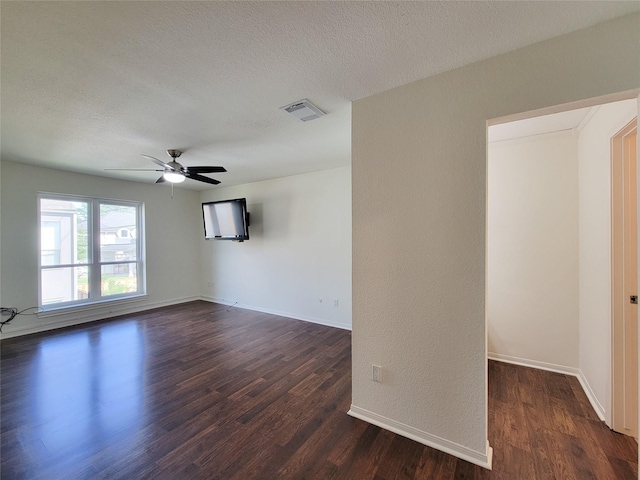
(93, 85)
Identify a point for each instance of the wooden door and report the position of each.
(625, 281)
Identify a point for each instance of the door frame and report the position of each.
(618, 295)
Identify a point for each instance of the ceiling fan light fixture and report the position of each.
(174, 177)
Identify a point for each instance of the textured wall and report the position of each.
(419, 189)
(297, 262)
(172, 227)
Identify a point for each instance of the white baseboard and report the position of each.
(102, 312)
(552, 367)
(477, 458)
(593, 400)
(295, 316)
(525, 362)
(47, 323)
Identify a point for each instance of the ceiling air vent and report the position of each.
(303, 110)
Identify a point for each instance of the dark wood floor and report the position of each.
(206, 391)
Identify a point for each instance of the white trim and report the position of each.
(102, 311)
(44, 326)
(477, 458)
(593, 400)
(525, 362)
(552, 367)
(295, 316)
(507, 142)
(588, 102)
(89, 306)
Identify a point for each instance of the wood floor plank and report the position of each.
(404, 455)
(369, 453)
(201, 390)
(435, 464)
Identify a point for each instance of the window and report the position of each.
(91, 250)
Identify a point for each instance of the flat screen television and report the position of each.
(226, 220)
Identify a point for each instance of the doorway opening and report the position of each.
(549, 241)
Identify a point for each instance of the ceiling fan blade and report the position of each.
(161, 179)
(158, 162)
(201, 178)
(136, 169)
(206, 169)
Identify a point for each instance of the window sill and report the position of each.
(84, 307)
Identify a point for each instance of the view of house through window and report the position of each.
(90, 250)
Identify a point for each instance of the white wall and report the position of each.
(298, 258)
(594, 175)
(419, 192)
(299, 252)
(173, 228)
(1, 304)
(532, 250)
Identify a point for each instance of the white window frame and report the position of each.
(94, 264)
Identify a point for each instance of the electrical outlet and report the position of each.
(336, 303)
(376, 373)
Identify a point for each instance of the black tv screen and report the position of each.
(226, 220)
